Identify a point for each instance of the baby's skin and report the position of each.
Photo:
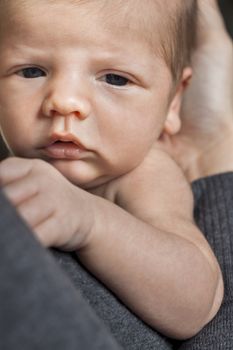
(86, 121)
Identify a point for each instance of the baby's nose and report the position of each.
(65, 102)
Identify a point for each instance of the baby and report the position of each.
(89, 93)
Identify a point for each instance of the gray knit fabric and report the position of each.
(43, 310)
(127, 328)
(214, 215)
(39, 307)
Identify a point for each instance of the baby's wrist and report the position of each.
(81, 221)
(87, 222)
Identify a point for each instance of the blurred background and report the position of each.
(227, 10)
(226, 7)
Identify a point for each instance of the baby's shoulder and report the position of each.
(157, 186)
(156, 183)
(124, 183)
(157, 169)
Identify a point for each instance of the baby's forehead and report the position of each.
(129, 19)
(148, 21)
(146, 17)
(151, 21)
(143, 18)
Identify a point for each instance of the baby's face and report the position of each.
(80, 88)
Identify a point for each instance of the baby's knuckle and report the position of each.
(5, 165)
(38, 163)
(40, 167)
(7, 162)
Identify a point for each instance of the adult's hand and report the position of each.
(204, 145)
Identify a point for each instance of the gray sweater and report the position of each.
(214, 215)
(45, 306)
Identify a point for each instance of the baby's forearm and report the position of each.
(162, 277)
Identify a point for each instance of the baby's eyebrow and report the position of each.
(25, 50)
(114, 57)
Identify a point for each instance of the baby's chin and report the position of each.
(80, 173)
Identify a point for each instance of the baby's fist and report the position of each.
(57, 211)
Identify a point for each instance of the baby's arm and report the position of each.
(151, 254)
(148, 252)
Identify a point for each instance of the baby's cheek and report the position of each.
(17, 145)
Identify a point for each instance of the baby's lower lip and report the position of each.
(63, 150)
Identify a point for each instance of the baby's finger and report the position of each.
(35, 213)
(14, 168)
(20, 190)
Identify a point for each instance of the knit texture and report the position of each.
(53, 313)
(130, 332)
(40, 309)
(214, 216)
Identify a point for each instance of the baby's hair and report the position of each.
(178, 41)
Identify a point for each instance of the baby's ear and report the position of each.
(172, 123)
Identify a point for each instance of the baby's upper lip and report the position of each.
(65, 137)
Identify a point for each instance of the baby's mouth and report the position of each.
(64, 150)
(64, 146)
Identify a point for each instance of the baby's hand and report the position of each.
(57, 211)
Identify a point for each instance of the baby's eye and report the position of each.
(31, 72)
(115, 79)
